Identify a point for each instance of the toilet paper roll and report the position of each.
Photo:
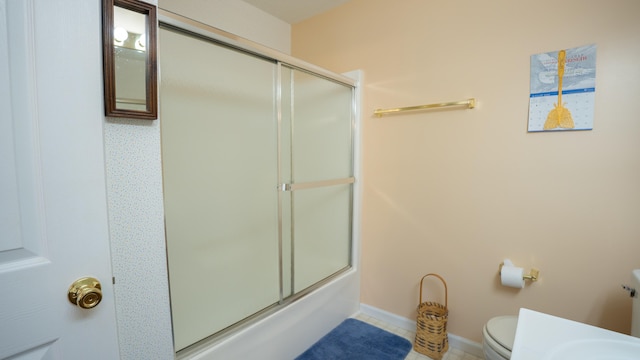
(512, 276)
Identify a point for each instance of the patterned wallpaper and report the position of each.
(136, 226)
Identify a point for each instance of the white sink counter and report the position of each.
(545, 337)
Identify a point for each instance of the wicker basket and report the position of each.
(431, 325)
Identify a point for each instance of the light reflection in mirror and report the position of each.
(129, 31)
(130, 59)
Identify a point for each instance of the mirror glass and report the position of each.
(129, 32)
(130, 53)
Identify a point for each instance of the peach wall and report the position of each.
(456, 191)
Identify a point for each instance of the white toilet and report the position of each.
(497, 337)
(500, 332)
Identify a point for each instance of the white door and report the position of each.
(53, 212)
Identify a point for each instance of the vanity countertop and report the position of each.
(541, 336)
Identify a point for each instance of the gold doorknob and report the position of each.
(85, 292)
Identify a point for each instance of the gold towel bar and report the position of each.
(469, 103)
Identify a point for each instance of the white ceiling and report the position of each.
(293, 11)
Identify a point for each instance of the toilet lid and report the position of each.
(502, 329)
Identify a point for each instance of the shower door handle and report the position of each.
(316, 184)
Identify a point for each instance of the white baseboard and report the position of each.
(455, 341)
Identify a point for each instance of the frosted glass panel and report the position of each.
(219, 148)
(320, 148)
(322, 233)
(322, 124)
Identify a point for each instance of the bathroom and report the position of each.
(455, 192)
(452, 192)
(518, 193)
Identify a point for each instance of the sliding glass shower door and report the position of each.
(219, 157)
(317, 159)
(258, 173)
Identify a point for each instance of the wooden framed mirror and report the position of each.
(130, 59)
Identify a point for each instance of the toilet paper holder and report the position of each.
(533, 274)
